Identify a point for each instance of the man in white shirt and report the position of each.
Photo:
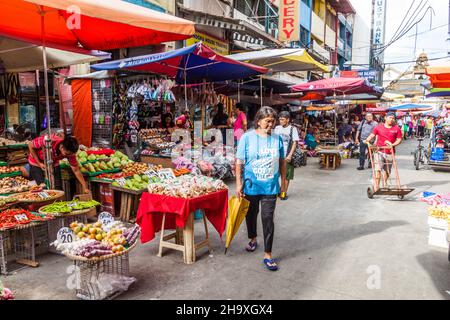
(290, 137)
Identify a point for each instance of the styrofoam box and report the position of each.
(438, 232)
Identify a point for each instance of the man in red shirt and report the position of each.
(66, 147)
(388, 135)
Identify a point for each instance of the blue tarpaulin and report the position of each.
(411, 107)
(197, 62)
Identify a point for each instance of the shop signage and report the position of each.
(379, 22)
(370, 75)
(219, 46)
(289, 21)
(65, 235)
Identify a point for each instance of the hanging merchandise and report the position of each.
(102, 100)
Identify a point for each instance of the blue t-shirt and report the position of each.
(261, 157)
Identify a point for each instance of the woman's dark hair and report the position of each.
(70, 144)
(264, 112)
(219, 108)
(284, 115)
(239, 106)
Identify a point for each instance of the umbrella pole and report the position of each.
(48, 143)
(261, 89)
(239, 91)
(335, 127)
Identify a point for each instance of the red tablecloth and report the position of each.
(151, 207)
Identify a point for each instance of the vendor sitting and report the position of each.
(310, 140)
(66, 147)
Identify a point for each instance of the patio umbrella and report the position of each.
(19, 56)
(238, 208)
(411, 107)
(439, 76)
(339, 86)
(100, 24)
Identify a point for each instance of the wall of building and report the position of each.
(361, 41)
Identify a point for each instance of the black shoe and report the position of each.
(360, 168)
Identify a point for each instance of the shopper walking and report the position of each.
(260, 165)
(388, 136)
(289, 135)
(240, 123)
(364, 130)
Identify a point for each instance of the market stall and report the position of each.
(171, 205)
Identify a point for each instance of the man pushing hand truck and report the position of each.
(388, 135)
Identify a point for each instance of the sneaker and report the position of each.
(360, 168)
(251, 246)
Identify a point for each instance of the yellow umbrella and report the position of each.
(238, 210)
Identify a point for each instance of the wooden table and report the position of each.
(129, 203)
(331, 159)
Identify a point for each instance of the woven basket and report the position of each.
(59, 195)
(23, 226)
(59, 214)
(105, 257)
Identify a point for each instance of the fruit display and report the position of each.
(187, 186)
(14, 184)
(35, 196)
(440, 212)
(137, 182)
(147, 152)
(180, 172)
(8, 142)
(113, 176)
(4, 170)
(146, 134)
(98, 167)
(7, 200)
(139, 168)
(14, 217)
(68, 206)
(96, 240)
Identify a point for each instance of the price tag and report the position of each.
(151, 173)
(71, 204)
(105, 218)
(65, 235)
(21, 217)
(43, 195)
(166, 174)
(121, 181)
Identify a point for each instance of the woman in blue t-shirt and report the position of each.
(260, 163)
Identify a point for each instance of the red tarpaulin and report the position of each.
(82, 111)
(99, 24)
(151, 207)
(338, 86)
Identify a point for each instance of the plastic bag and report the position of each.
(108, 284)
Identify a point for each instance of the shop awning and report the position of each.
(101, 24)
(198, 61)
(411, 107)
(340, 86)
(389, 96)
(18, 56)
(439, 76)
(320, 108)
(282, 60)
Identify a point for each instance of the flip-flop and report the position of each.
(251, 246)
(270, 264)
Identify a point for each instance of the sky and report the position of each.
(433, 42)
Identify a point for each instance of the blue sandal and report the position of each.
(251, 246)
(270, 264)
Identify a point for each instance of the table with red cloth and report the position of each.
(153, 206)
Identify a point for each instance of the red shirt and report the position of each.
(386, 134)
(39, 144)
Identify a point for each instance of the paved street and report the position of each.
(328, 236)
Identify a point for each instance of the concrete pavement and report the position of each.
(331, 241)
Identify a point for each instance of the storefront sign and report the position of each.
(370, 75)
(379, 22)
(289, 21)
(219, 46)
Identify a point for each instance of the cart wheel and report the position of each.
(370, 192)
(401, 197)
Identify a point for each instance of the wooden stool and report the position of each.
(331, 161)
(184, 239)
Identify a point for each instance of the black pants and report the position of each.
(38, 175)
(362, 153)
(268, 204)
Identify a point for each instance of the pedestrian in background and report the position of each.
(260, 165)
(289, 135)
(364, 130)
(240, 122)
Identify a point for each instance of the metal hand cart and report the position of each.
(381, 161)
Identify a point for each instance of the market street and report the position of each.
(330, 239)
